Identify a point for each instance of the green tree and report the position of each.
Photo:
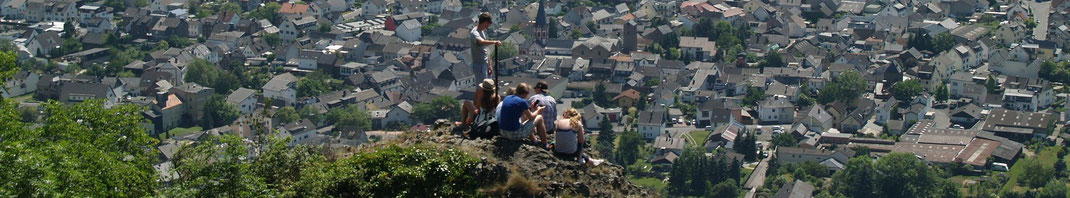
(272, 39)
(992, 85)
(575, 34)
(846, 87)
(906, 90)
(904, 175)
(1030, 23)
(313, 85)
(772, 59)
(428, 28)
(943, 42)
(7, 65)
(507, 50)
(269, 11)
(727, 188)
(81, 150)
(216, 168)
(69, 31)
(312, 114)
(287, 115)
(325, 27)
(858, 179)
(553, 30)
(351, 116)
(687, 176)
(439, 108)
(217, 113)
(942, 93)
(628, 151)
(1053, 189)
(746, 144)
(784, 139)
(754, 95)
(1036, 174)
(606, 139)
(601, 98)
(202, 72)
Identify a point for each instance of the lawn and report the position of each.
(746, 175)
(653, 184)
(179, 132)
(1047, 156)
(700, 136)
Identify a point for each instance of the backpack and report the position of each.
(485, 128)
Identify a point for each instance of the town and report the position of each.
(705, 98)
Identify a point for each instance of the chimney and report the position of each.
(161, 99)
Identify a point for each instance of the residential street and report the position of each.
(757, 178)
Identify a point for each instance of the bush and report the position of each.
(397, 171)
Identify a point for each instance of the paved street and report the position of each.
(757, 178)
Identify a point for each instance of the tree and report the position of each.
(727, 188)
(215, 168)
(428, 28)
(772, 60)
(7, 65)
(351, 116)
(312, 114)
(754, 95)
(1053, 189)
(325, 27)
(1030, 23)
(784, 139)
(601, 98)
(992, 85)
(287, 115)
(628, 152)
(942, 93)
(606, 139)
(269, 11)
(904, 175)
(116, 4)
(858, 179)
(943, 42)
(217, 112)
(1036, 174)
(846, 87)
(746, 144)
(906, 90)
(272, 39)
(507, 50)
(202, 72)
(69, 31)
(439, 108)
(687, 176)
(575, 34)
(313, 85)
(82, 150)
(553, 29)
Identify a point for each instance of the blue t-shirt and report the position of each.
(512, 108)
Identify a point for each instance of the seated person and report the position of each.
(485, 101)
(519, 120)
(570, 140)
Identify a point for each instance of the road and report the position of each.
(757, 178)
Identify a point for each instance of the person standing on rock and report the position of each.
(482, 66)
(521, 120)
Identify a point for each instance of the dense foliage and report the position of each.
(846, 87)
(217, 112)
(693, 174)
(906, 90)
(439, 108)
(894, 175)
(81, 150)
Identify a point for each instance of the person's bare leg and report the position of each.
(540, 129)
(467, 113)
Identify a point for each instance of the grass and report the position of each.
(1047, 157)
(179, 132)
(25, 98)
(746, 175)
(700, 136)
(653, 184)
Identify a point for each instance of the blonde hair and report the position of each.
(574, 117)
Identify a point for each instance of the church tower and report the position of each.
(541, 25)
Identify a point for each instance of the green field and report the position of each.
(654, 184)
(1047, 156)
(178, 132)
(700, 137)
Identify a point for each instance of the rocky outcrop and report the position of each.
(522, 169)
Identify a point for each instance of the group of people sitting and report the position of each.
(526, 115)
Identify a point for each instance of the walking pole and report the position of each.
(496, 65)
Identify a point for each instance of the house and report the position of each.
(816, 118)
(717, 113)
(282, 87)
(966, 115)
(796, 189)
(42, 44)
(294, 10)
(651, 123)
(1018, 125)
(409, 30)
(834, 160)
(627, 98)
(1027, 94)
(244, 99)
(371, 8)
(595, 48)
(776, 110)
(22, 83)
(698, 48)
(724, 135)
(669, 143)
(195, 97)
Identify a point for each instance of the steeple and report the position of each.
(542, 28)
(540, 19)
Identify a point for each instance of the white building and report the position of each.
(282, 87)
(244, 99)
(409, 30)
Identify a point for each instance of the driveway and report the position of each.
(757, 178)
